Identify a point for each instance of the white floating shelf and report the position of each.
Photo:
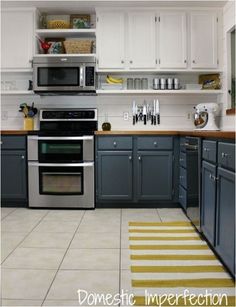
(68, 33)
(17, 92)
(159, 92)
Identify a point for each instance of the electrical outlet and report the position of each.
(126, 116)
(189, 116)
(4, 115)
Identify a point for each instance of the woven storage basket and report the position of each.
(58, 24)
(78, 46)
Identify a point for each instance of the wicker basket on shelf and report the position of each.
(78, 46)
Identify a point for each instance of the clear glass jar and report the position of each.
(144, 83)
(130, 84)
(137, 84)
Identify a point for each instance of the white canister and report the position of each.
(170, 84)
(163, 83)
(156, 83)
(176, 84)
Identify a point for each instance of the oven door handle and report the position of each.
(84, 164)
(63, 138)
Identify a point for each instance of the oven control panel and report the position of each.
(81, 114)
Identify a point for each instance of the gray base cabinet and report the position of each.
(218, 199)
(134, 169)
(115, 175)
(225, 223)
(208, 200)
(154, 175)
(13, 171)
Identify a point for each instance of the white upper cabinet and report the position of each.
(17, 38)
(111, 40)
(172, 40)
(203, 38)
(141, 40)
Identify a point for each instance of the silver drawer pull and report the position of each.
(181, 177)
(181, 160)
(139, 158)
(214, 178)
(224, 155)
(180, 196)
(155, 144)
(206, 149)
(114, 143)
(1, 142)
(130, 158)
(22, 157)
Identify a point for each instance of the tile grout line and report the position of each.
(159, 216)
(25, 236)
(8, 213)
(49, 288)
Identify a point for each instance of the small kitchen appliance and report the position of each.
(61, 159)
(205, 116)
(62, 75)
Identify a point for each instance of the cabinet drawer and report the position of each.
(226, 155)
(183, 177)
(183, 197)
(209, 151)
(154, 142)
(13, 142)
(115, 143)
(182, 159)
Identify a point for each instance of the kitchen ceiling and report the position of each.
(89, 6)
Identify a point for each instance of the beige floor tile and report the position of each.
(56, 226)
(125, 281)
(92, 259)
(18, 225)
(9, 241)
(6, 211)
(95, 226)
(125, 239)
(26, 284)
(34, 258)
(67, 283)
(174, 214)
(31, 303)
(103, 212)
(29, 213)
(50, 240)
(96, 240)
(65, 215)
(125, 259)
(58, 303)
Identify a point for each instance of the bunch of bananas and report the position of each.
(112, 80)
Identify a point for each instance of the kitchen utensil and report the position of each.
(156, 83)
(158, 111)
(44, 45)
(163, 83)
(205, 116)
(145, 114)
(134, 112)
(154, 112)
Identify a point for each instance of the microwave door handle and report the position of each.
(82, 76)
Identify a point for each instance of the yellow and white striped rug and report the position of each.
(170, 262)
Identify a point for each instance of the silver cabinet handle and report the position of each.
(155, 144)
(194, 61)
(22, 157)
(131, 62)
(180, 196)
(115, 144)
(181, 177)
(122, 61)
(1, 142)
(139, 158)
(224, 155)
(181, 160)
(214, 178)
(206, 149)
(130, 158)
(185, 61)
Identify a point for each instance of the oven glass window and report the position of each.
(58, 76)
(61, 180)
(60, 151)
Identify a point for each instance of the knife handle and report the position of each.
(134, 120)
(151, 119)
(155, 120)
(145, 119)
(158, 119)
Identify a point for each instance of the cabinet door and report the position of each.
(154, 175)
(17, 38)
(13, 175)
(141, 40)
(225, 222)
(111, 40)
(114, 177)
(203, 34)
(172, 43)
(208, 209)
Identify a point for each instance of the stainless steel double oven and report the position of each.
(61, 159)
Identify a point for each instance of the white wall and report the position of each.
(174, 109)
(227, 122)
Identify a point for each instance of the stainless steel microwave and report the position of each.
(64, 74)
